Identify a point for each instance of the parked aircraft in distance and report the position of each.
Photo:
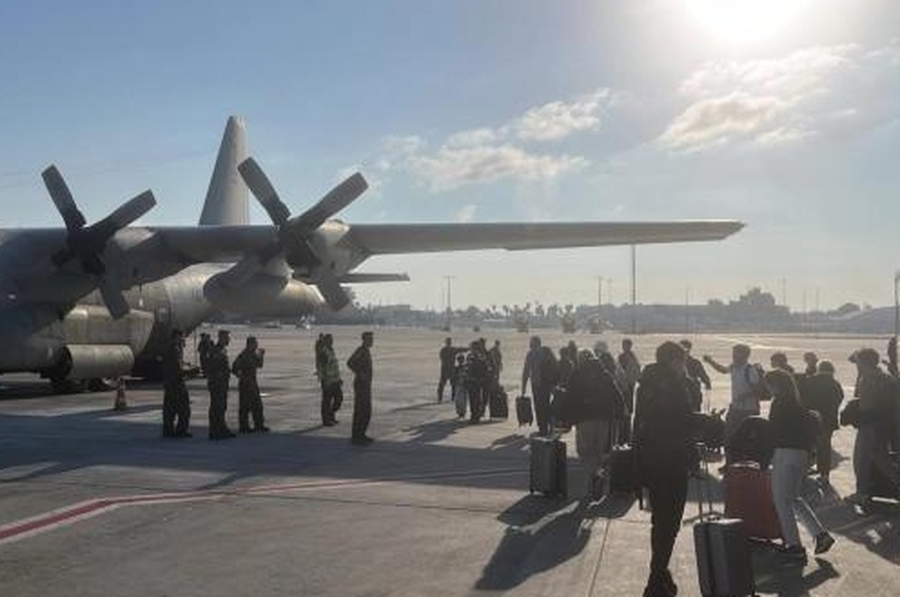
(89, 302)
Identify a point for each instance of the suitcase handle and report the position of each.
(703, 483)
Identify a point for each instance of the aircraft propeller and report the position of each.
(86, 244)
(294, 234)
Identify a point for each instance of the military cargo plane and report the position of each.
(88, 302)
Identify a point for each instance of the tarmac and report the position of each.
(96, 502)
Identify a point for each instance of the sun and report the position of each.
(744, 22)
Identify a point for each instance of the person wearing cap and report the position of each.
(217, 379)
(877, 401)
(822, 393)
(249, 401)
(360, 362)
(176, 402)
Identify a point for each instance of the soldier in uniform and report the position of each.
(204, 347)
(360, 362)
(330, 380)
(217, 377)
(249, 400)
(176, 403)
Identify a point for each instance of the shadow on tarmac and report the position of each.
(542, 534)
(44, 446)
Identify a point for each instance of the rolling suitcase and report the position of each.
(748, 496)
(548, 471)
(624, 476)
(499, 404)
(724, 564)
(523, 411)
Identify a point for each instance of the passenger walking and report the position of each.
(543, 371)
(249, 400)
(477, 380)
(497, 360)
(360, 362)
(330, 380)
(203, 349)
(176, 401)
(697, 375)
(823, 394)
(877, 407)
(630, 364)
(217, 379)
(794, 431)
(664, 430)
(745, 387)
(596, 403)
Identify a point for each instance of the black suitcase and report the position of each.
(624, 474)
(523, 411)
(724, 562)
(499, 403)
(548, 470)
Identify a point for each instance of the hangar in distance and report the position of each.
(84, 302)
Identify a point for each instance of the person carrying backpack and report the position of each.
(594, 402)
(542, 368)
(664, 430)
(747, 387)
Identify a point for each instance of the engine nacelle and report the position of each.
(38, 340)
(263, 295)
(89, 361)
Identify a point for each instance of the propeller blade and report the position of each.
(114, 299)
(124, 215)
(332, 292)
(337, 199)
(262, 189)
(62, 198)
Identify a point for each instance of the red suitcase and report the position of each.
(748, 496)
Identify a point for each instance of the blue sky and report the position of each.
(780, 114)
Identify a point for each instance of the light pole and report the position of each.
(896, 305)
(449, 305)
(633, 289)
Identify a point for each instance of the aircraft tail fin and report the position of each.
(227, 199)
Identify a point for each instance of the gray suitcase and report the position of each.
(724, 562)
(548, 466)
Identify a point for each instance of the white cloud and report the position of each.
(488, 154)
(714, 120)
(466, 213)
(451, 168)
(810, 92)
(475, 137)
(556, 120)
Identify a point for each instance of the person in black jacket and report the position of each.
(794, 432)
(823, 394)
(664, 430)
(594, 402)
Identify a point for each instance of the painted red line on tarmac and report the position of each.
(56, 518)
(53, 519)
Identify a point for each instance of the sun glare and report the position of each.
(743, 22)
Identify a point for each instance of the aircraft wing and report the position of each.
(380, 239)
